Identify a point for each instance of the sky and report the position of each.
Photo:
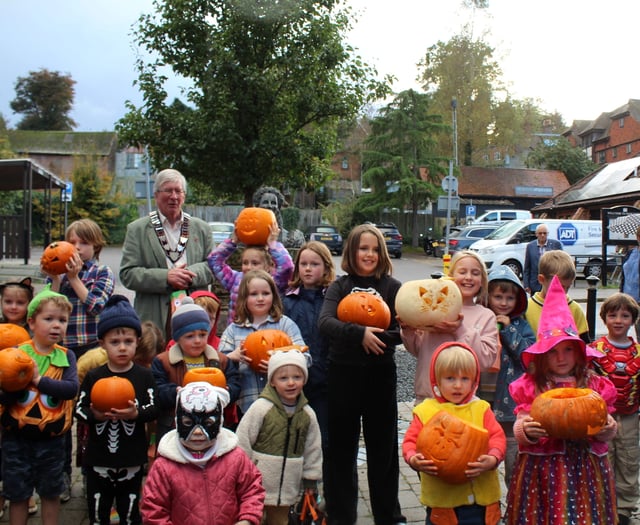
(574, 57)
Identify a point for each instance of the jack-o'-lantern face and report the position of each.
(45, 414)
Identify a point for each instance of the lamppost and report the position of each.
(454, 107)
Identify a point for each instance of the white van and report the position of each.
(500, 216)
(580, 239)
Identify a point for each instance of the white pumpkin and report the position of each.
(426, 302)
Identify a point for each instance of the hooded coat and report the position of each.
(514, 339)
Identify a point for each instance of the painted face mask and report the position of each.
(200, 407)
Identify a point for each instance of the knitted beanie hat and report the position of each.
(280, 358)
(118, 313)
(187, 318)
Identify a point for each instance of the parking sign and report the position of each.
(471, 210)
(67, 192)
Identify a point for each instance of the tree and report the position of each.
(559, 154)
(45, 98)
(402, 143)
(463, 69)
(269, 82)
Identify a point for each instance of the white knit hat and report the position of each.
(281, 358)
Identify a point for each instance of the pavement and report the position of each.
(74, 512)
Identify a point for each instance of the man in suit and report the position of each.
(165, 253)
(532, 256)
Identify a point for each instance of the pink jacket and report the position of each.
(227, 489)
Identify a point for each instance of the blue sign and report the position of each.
(567, 234)
(471, 211)
(67, 192)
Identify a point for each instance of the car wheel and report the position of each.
(399, 255)
(515, 267)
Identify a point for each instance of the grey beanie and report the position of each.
(118, 313)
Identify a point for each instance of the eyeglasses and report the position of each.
(542, 233)
(172, 192)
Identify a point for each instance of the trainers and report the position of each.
(33, 506)
(66, 493)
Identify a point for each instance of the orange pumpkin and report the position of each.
(451, 444)
(56, 256)
(252, 225)
(12, 335)
(16, 369)
(259, 344)
(364, 308)
(427, 302)
(112, 392)
(570, 413)
(212, 375)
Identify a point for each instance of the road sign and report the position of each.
(471, 211)
(444, 199)
(67, 193)
(450, 183)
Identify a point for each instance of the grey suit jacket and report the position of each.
(531, 260)
(144, 266)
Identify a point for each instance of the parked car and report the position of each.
(502, 216)
(461, 239)
(221, 231)
(392, 238)
(327, 234)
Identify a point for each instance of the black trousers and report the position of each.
(364, 394)
(104, 485)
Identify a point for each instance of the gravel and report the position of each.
(406, 365)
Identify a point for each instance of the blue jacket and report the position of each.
(515, 339)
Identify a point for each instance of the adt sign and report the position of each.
(567, 234)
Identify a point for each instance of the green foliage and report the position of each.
(403, 142)
(560, 155)
(268, 83)
(290, 218)
(340, 215)
(45, 98)
(5, 147)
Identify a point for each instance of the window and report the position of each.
(134, 160)
(628, 148)
(614, 153)
(621, 122)
(602, 157)
(497, 156)
(345, 163)
(141, 189)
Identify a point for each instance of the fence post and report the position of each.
(592, 301)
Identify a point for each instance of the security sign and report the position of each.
(567, 234)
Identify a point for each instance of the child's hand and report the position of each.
(504, 320)
(35, 380)
(482, 464)
(371, 343)
(274, 233)
(98, 414)
(406, 327)
(263, 367)
(131, 412)
(447, 327)
(238, 355)
(419, 463)
(74, 266)
(533, 429)
(608, 430)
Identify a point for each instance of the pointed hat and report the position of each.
(556, 325)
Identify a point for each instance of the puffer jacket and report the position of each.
(286, 449)
(227, 489)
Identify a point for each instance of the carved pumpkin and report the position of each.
(16, 369)
(112, 392)
(451, 444)
(252, 225)
(12, 335)
(364, 308)
(427, 302)
(259, 344)
(213, 376)
(570, 413)
(56, 256)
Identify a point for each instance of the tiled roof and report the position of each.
(63, 142)
(503, 182)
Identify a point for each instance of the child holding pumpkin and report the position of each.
(117, 445)
(456, 485)
(362, 384)
(274, 258)
(35, 420)
(558, 479)
(259, 307)
(619, 360)
(280, 433)
(190, 327)
(476, 326)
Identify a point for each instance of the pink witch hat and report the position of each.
(556, 325)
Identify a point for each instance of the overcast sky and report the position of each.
(576, 57)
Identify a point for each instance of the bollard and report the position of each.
(446, 261)
(592, 301)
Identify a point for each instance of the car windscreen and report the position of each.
(506, 230)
